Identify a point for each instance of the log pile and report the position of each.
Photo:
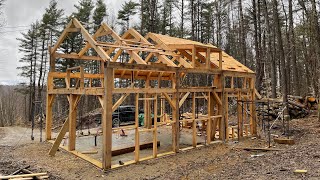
(299, 107)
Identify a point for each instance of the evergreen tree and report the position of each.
(99, 14)
(28, 45)
(128, 9)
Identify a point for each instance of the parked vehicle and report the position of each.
(126, 114)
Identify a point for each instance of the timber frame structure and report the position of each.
(155, 58)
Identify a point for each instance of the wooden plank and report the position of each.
(59, 138)
(258, 149)
(107, 117)
(130, 149)
(23, 176)
(90, 152)
(284, 141)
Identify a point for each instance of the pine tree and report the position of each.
(99, 14)
(50, 23)
(28, 45)
(128, 10)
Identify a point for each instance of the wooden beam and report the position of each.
(49, 104)
(209, 122)
(136, 57)
(91, 41)
(215, 95)
(120, 101)
(183, 99)
(137, 139)
(72, 121)
(155, 122)
(167, 97)
(62, 37)
(130, 149)
(194, 123)
(23, 176)
(175, 114)
(107, 117)
(59, 138)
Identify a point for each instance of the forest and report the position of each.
(278, 39)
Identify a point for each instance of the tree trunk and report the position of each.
(281, 51)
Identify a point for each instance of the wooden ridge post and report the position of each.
(107, 117)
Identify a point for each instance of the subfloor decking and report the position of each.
(87, 143)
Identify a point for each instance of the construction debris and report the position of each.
(300, 171)
(284, 141)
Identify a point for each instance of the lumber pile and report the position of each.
(25, 173)
(299, 107)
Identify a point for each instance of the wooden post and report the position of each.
(147, 114)
(253, 119)
(50, 98)
(72, 121)
(194, 123)
(137, 140)
(210, 129)
(226, 116)
(194, 51)
(222, 111)
(101, 72)
(240, 116)
(319, 109)
(155, 131)
(175, 113)
(220, 60)
(208, 62)
(49, 104)
(52, 60)
(107, 117)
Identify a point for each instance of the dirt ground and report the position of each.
(217, 161)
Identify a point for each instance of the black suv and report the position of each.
(123, 114)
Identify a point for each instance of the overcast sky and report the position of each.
(18, 15)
